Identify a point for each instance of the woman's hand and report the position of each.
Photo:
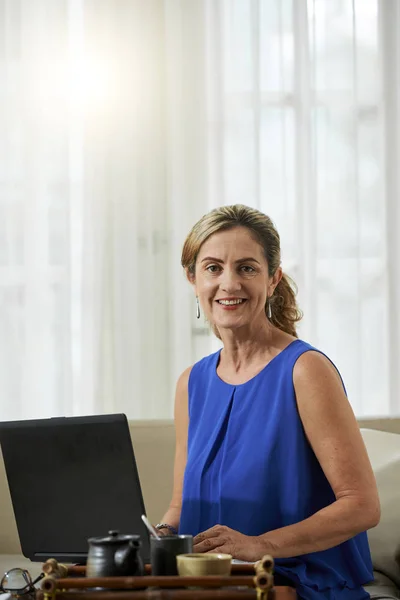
(224, 539)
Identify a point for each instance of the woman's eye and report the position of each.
(247, 269)
(212, 268)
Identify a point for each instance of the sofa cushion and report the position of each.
(154, 446)
(384, 452)
(382, 588)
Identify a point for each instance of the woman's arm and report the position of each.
(181, 418)
(334, 435)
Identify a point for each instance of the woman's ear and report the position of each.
(190, 276)
(277, 276)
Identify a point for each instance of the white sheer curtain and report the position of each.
(85, 287)
(123, 122)
(306, 96)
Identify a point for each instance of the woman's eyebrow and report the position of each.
(218, 260)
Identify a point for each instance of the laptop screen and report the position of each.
(72, 478)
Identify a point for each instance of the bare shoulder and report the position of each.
(181, 395)
(184, 376)
(183, 381)
(320, 393)
(314, 367)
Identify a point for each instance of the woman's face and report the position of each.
(231, 279)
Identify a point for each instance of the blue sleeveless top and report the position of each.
(251, 468)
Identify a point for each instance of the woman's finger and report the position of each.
(207, 534)
(207, 545)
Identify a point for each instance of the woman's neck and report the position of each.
(241, 350)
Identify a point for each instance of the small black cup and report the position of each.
(163, 553)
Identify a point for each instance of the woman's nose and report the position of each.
(230, 281)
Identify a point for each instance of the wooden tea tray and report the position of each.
(246, 582)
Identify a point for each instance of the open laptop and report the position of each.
(72, 478)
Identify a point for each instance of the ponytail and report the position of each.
(284, 309)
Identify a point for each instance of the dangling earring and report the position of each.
(197, 308)
(269, 310)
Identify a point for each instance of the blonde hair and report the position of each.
(284, 309)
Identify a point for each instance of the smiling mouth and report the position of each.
(235, 302)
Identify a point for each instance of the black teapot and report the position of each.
(114, 555)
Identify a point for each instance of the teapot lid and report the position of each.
(113, 537)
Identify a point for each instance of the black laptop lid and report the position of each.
(71, 478)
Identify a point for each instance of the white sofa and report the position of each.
(154, 446)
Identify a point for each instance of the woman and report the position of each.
(269, 457)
